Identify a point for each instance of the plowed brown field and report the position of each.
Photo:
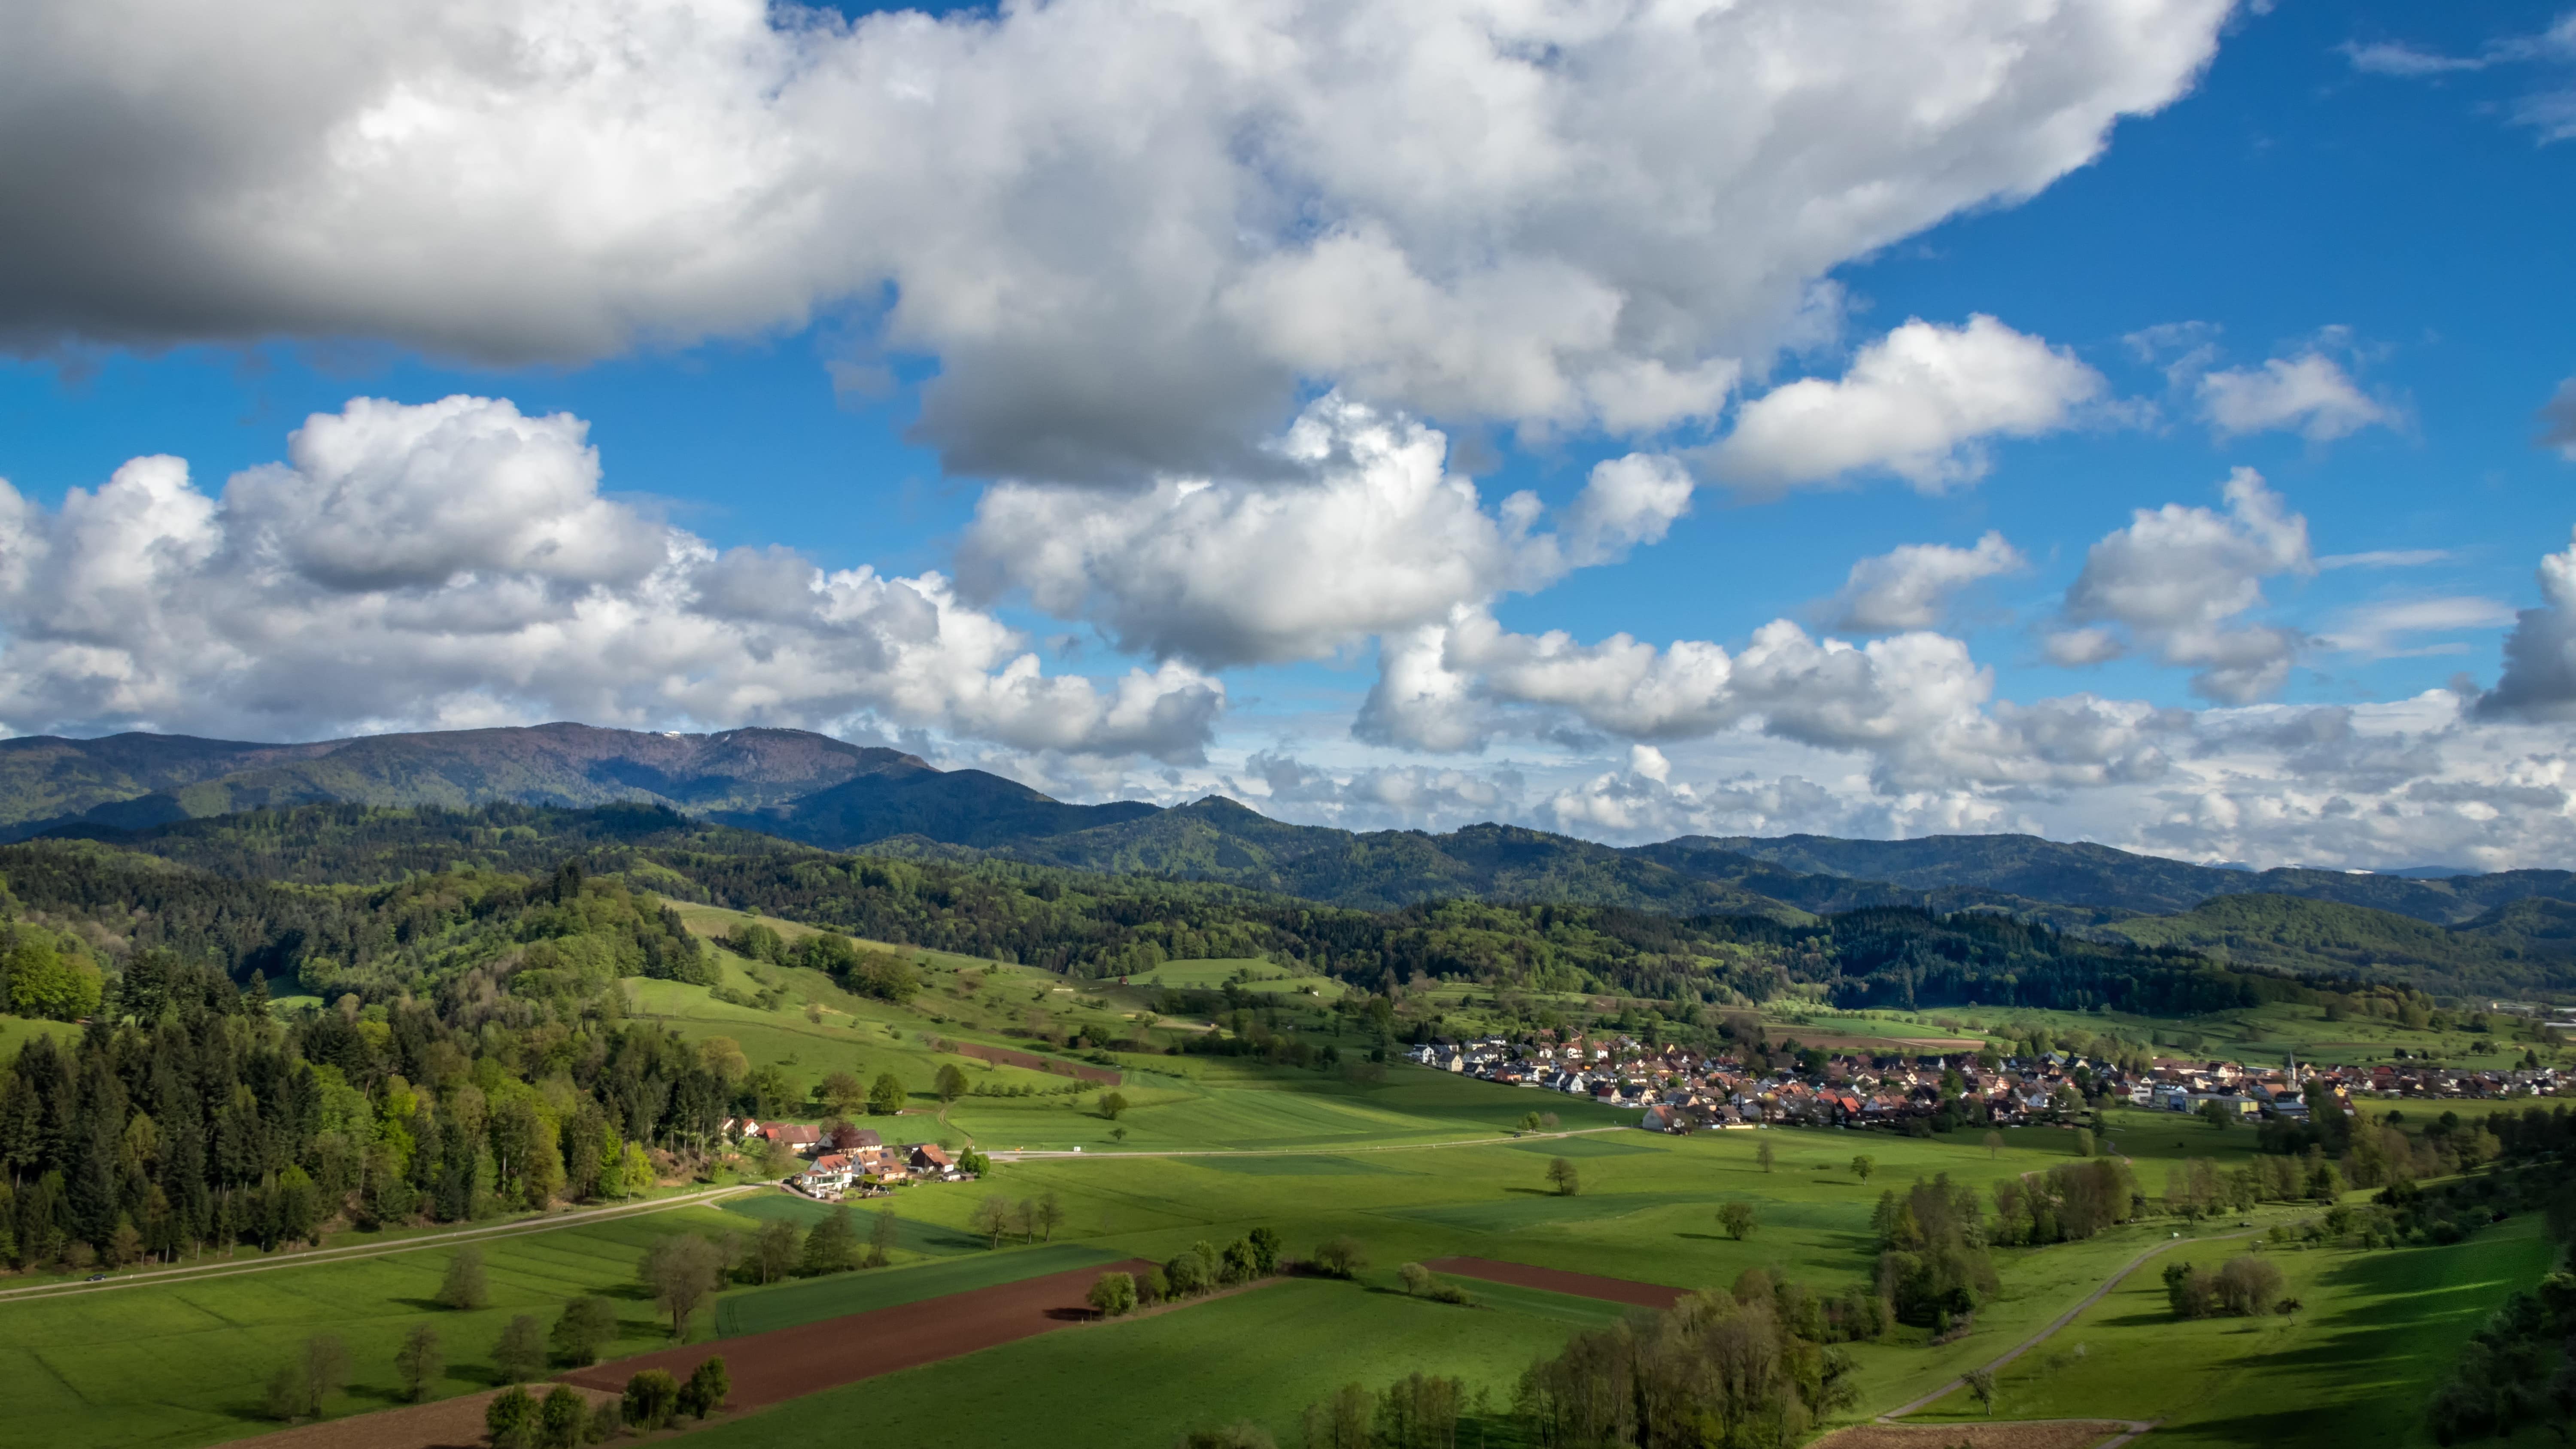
(1557, 1280)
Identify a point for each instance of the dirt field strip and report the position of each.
(574, 1218)
(788, 1363)
(1557, 1280)
(455, 1423)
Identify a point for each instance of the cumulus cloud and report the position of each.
(2309, 395)
(2539, 680)
(1128, 232)
(1375, 797)
(454, 564)
(2558, 421)
(1919, 402)
(1909, 587)
(2176, 581)
(1367, 533)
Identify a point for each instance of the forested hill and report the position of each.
(828, 793)
(332, 900)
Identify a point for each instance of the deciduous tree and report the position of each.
(681, 1271)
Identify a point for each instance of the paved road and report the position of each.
(2063, 1319)
(447, 1239)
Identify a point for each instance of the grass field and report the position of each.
(2354, 1367)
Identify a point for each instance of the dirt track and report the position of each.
(787, 1363)
(1557, 1280)
(2038, 1434)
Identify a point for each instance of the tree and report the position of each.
(288, 1393)
(1528, 1123)
(832, 1244)
(521, 1353)
(1416, 1278)
(2248, 1286)
(1047, 1216)
(1112, 1104)
(607, 1420)
(2083, 1141)
(681, 1271)
(418, 1364)
(1994, 1144)
(883, 1235)
(1862, 1166)
(887, 1096)
(1737, 1219)
(1265, 1246)
(1342, 1421)
(465, 1287)
(992, 1218)
(1981, 1387)
(1562, 1176)
(774, 1250)
(511, 1418)
(650, 1398)
(707, 1389)
(951, 1083)
(1340, 1258)
(1113, 1294)
(1764, 1154)
(587, 1326)
(2216, 1114)
(843, 1092)
(562, 1419)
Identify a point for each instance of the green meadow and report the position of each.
(2354, 1366)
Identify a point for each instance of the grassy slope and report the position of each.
(2354, 1367)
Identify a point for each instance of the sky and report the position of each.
(2141, 421)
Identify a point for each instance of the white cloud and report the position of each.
(1128, 232)
(2539, 680)
(2309, 395)
(1910, 586)
(454, 564)
(2391, 57)
(1919, 403)
(2385, 558)
(2376, 631)
(2558, 421)
(1368, 534)
(2176, 580)
(1374, 797)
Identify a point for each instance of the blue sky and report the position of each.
(2369, 201)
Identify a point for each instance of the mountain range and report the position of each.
(825, 792)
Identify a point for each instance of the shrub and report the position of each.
(651, 1396)
(1340, 1258)
(2248, 1286)
(1153, 1287)
(1113, 1294)
(511, 1418)
(708, 1387)
(1417, 1279)
(1231, 1436)
(562, 1419)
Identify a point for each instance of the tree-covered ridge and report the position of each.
(2527, 946)
(470, 890)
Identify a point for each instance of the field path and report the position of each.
(1032, 1155)
(2063, 1319)
(446, 1239)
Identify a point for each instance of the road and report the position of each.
(445, 1239)
(1024, 1155)
(2063, 1319)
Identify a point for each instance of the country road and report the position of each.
(2059, 1322)
(447, 1239)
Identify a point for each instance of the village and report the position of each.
(1681, 1090)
